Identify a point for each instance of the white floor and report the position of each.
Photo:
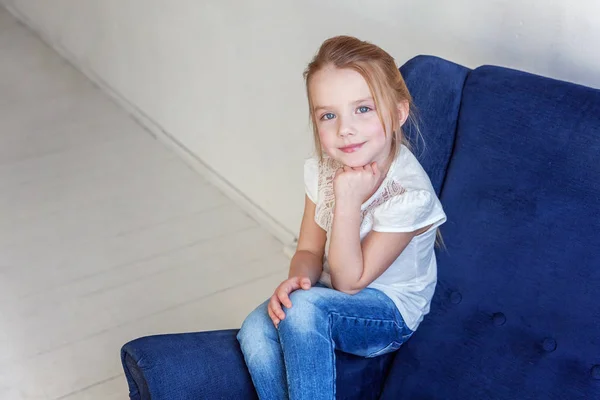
(105, 235)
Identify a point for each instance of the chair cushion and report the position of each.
(210, 365)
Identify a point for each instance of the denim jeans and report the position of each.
(297, 359)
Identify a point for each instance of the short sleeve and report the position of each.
(408, 212)
(311, 179)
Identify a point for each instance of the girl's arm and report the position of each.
(308, 259)
(307, 263)
(353, 266)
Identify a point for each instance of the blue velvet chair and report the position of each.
(515, 159)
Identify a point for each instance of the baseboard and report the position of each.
(154, 129)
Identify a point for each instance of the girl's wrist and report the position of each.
(344, 207)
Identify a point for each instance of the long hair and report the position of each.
(381, 73)
(385, 81)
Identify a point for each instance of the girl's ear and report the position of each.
(403, 111)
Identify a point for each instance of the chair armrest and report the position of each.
(202, 365)
(210, 365)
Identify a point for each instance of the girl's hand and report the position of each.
(282, 296)
(352, 186)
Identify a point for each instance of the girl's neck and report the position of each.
(384, 168)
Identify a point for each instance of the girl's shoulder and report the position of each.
(318, 172)
(311, 178)
(407, 169)
(414, 204)
(321, 165)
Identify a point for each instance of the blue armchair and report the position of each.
(515, 160)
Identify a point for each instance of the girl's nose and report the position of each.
(345, 129)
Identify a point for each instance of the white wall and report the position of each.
(224, 76)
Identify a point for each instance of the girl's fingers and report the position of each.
(292, 284)
(284, 298)
(276, 308)
(281, 297)
(305, 283)
(273, 317)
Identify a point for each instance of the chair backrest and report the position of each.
(436, 86)
(516, 314)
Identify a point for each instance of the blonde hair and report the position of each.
(385, 81)
(379, 70)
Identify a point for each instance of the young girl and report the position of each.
(364, 271)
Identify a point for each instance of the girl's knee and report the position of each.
(259, 340)
(305, 311)
(256, 327)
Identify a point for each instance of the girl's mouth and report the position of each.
(352, 148)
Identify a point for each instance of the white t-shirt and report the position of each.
(405, 202)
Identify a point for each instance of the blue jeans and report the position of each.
(297, 359)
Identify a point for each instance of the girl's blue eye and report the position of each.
(327, 116)
(363, 109)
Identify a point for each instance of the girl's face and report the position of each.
(346, 118)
